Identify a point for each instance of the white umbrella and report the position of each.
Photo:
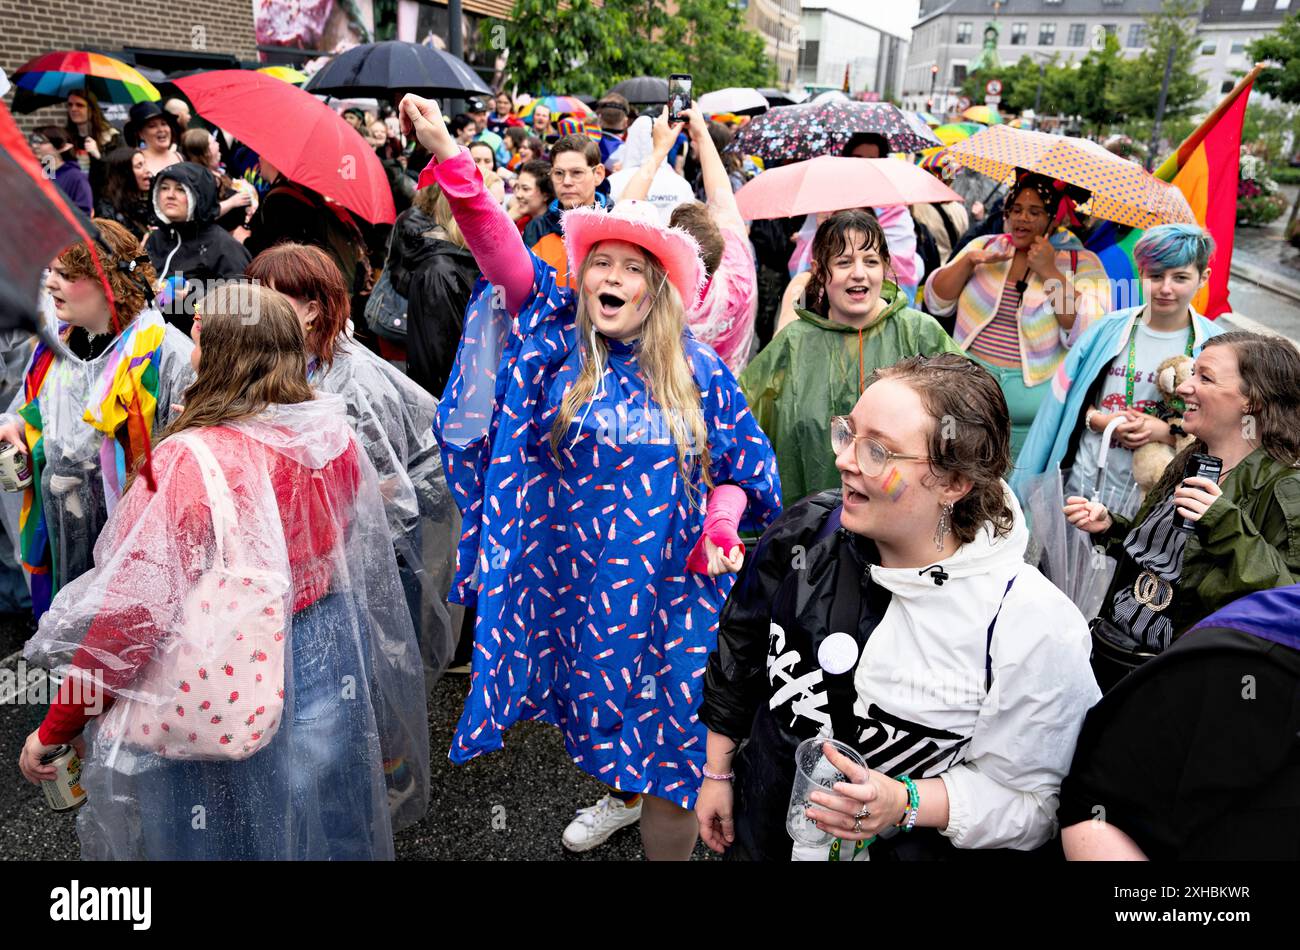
(736, 100)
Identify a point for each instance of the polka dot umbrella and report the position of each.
(1122, 191)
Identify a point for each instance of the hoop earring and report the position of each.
(944, 526)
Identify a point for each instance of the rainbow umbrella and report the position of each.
(287, 73)
(935, 159)
(984, 115)
(48, 79)
(559, 105)
(928, 118)
(956, 132)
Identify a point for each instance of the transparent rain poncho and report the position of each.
(294, 730)
(393, 419)
(82, 474)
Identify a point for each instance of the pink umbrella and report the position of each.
(297, 133)
(831, 183)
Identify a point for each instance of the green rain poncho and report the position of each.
(815, 369)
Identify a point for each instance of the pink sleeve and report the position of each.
(492, 237)
(726, 507)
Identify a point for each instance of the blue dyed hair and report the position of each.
(1167, 246)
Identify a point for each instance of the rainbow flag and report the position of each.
(1204, 168)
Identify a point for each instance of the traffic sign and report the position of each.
(963, 103)
(993, 87)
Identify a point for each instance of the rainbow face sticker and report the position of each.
(893, 485)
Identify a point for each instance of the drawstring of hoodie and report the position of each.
(862, 376)
(602, 370)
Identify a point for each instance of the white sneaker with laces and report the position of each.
(594, 824)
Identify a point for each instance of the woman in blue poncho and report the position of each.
(604, 461)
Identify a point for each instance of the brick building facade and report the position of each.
(164, 34)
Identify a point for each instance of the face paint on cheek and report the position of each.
(893, 485)
(642, 302)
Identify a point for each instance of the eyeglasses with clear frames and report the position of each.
(872, 457)
(560, 175)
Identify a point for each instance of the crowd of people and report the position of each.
(692, 488)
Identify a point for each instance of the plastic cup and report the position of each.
(813, 770)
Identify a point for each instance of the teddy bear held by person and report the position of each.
(1150, 460)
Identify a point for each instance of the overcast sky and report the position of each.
(896, 16)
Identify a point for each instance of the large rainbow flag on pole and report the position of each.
(1205, 169)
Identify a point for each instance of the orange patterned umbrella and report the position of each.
(1122, 191)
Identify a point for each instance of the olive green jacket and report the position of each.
(1248, 540)
(815, 369)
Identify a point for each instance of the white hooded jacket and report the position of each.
(921, 688)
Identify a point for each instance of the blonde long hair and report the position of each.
(664, 366)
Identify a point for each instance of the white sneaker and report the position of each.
(594, 824)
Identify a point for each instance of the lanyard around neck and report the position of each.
(1131, 376)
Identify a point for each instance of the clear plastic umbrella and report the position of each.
(1067, 556)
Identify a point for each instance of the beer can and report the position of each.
(64, 791)
(15, 468)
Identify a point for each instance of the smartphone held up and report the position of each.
(679, 95)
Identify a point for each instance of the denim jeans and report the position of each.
(313, 793)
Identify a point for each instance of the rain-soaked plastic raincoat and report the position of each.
(393, 419)
(304, 567)
(83, 435)
(816, 368)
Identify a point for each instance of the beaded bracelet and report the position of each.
(724, 777)
(908, 821)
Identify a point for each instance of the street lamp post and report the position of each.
(1160, 106)
(934, 75)
(1038, 94)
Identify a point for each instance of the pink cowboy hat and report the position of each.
(637, 222)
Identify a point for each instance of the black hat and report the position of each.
(142, 112)
(1053, 191)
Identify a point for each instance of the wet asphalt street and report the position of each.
(511, 805)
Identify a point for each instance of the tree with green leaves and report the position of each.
(1093, 90)
(1173, 28)
(1020, 85)
(582, 48)
(578, 48)
(1281, 49)
(710, 40)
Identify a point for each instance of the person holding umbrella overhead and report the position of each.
(857, 321)
(1022, 297)
(95, 138)
(542, 122)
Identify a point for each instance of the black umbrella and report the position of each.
(775, 97)
(643, 90)
(394, 67)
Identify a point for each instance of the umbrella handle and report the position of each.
(1101, 456)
